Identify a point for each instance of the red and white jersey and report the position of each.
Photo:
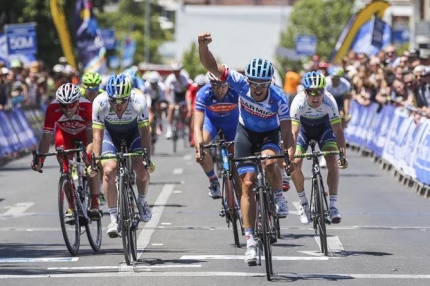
(80, 121)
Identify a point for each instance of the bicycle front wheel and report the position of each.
(266, 233)
(125, 221)
(92, 228)
(69, 219)
(320, 215)
(231, 207)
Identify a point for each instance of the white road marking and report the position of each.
(333, 243)
(166, 223)
(157, 210)
(117, 267)
(38, 259)
(177, 171)
(241, 257)
(18, 209)
(177, 192)
(220, 274)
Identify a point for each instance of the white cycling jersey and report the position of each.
(157, 93)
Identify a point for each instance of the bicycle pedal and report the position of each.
(222, 213)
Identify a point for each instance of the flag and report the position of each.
(88, 37)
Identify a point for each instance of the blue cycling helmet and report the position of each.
(118, 86)
(259, 69)
(313, 79)
(335, 71)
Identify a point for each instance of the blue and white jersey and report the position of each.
(259, 116)
(219, 111)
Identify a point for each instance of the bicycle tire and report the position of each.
(265, 235)
(321, 220)
(93, 228)
(125, 221)
(175, 125)
(230, 207)
(71, 232)
(134, 221)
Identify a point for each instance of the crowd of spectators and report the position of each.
(33, 85)
(400, 79)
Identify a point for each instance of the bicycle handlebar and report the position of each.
(143, 154)
(59, 151)
(221, 144)
(259, 157)
(317, 154)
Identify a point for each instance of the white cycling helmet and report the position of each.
(200, 79)
(68, 93)
(153, 77)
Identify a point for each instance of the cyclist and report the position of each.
(315, 115)
(199, 82)
(340, 88)
(216, 107)
(264, 109)
(68, 118)
(177, 84)
(155, 89)
(121, 113)
(90, 87)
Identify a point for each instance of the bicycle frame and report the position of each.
(230, 206)
(266, 224)
(318, 201)
(128, 214)
(179, 124)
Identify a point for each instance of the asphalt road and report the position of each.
(382, 240)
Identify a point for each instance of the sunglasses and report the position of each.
(219, 84)
(263, 84)
(91, 87)
(118, 101)
(315, 92)
(70, 105)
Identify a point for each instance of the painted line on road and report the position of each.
(241, 257)
(118, 267)
(177, 171)
(18, 209)
(157, 210)
(188, 157)
(221, 274)
(333, 243)
(38, 259)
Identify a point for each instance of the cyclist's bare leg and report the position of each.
(273, 173)
(170, 113)
(109, 188)
(247, 201)
(94, 183)
(142, 176)
(298, 177)
(333, 172)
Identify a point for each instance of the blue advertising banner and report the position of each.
(108, 36)
(306, 45)
(378, 29)
(363, 40)
(21, 38)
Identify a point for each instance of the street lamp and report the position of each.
(147, 24)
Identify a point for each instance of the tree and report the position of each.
(324, 19)
(191, 61)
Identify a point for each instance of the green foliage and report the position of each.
(324, 19)
(191, 61)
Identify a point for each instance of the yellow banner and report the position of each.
(376, 8)
(63, 32)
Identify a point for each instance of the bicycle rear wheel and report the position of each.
(231, 209)
(93, 228)
(125, 221)
(320, 216)
(266, 235)
(69, 220)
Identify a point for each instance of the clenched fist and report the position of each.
(205, 38)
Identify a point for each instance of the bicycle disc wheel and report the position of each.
(69, 220)
(125, 221)
(265, 235)
(93, 228)
(321, 217)
(231, 209)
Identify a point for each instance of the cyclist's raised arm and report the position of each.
(206, 57)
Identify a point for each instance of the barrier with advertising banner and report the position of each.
(20, 131)
(397, 136)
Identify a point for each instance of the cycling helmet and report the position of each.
(68, 93)
(176, 66)
(259, 69)
(118, 86)
(200, 79)
(58, 68)
(335, 71)
(91, 78)
(153, 77)
(313, 80)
